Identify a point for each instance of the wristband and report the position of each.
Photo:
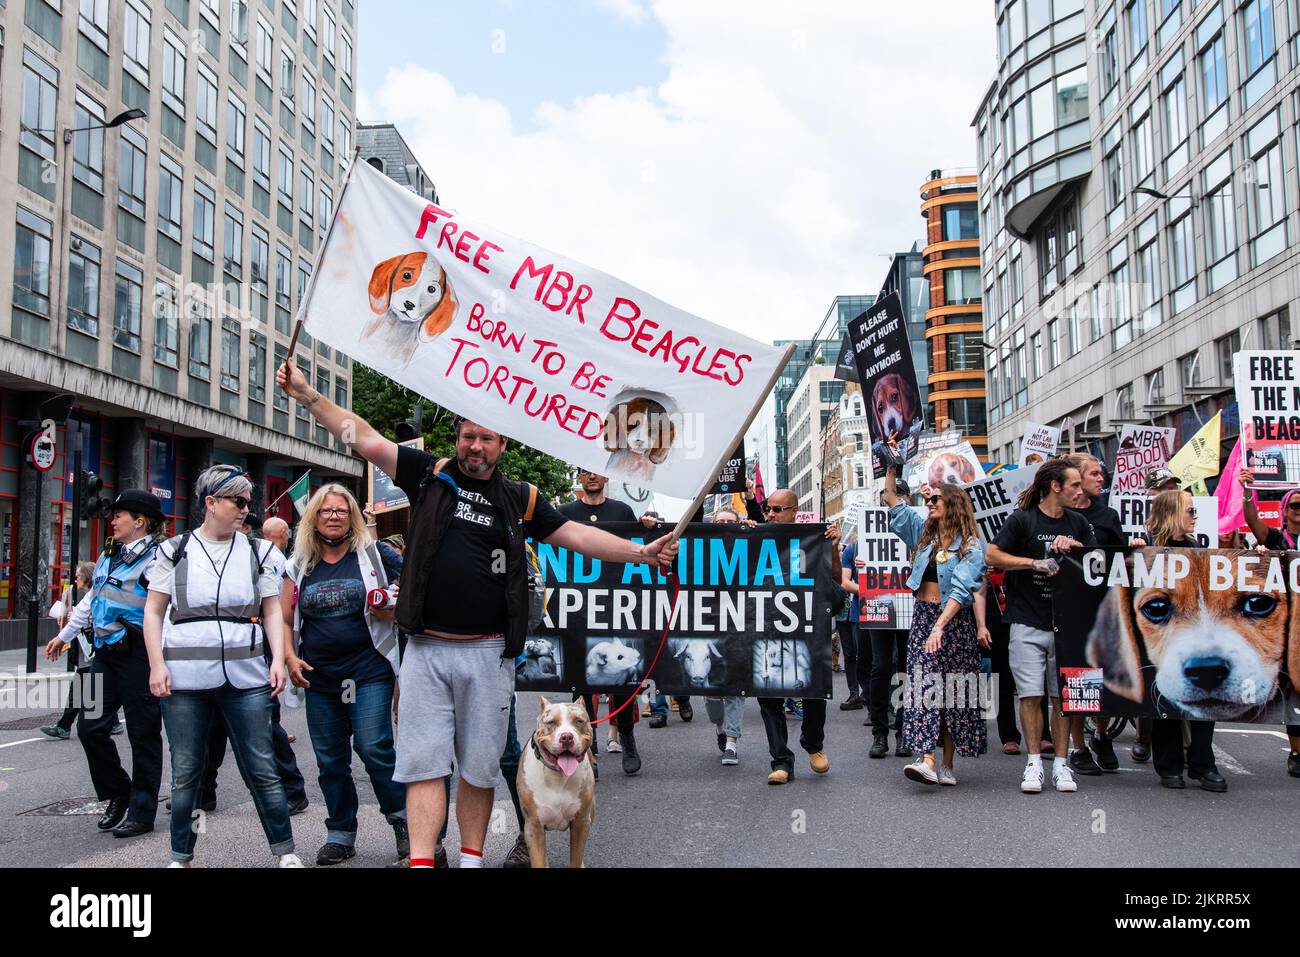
(312, 401)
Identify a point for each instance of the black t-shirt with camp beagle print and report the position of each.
(1029, 534)
(467, 584)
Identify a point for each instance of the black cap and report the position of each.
(901, 487)
(138, 502)
(253, 521)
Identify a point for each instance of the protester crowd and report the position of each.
(201, 638)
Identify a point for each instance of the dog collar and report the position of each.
(543, 756)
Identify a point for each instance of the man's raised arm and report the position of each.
(596, 543)
(346, 426)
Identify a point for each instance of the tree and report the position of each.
(383, 403)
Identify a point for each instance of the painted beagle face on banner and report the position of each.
(413, 302)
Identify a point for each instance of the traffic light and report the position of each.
(93, 504)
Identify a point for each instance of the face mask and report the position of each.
(332, 541)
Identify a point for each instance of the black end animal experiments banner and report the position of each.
(753, 617)
(884, 362)
(1197, 634)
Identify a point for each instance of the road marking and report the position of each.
(14, 744)
(1228, 761)
(1276, 734)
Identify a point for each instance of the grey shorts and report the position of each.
(1033, 662)
(455, 703)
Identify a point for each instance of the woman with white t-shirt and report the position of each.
(219, 656)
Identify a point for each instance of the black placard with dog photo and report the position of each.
(883, 357)
(752, 616)
(1196, 634)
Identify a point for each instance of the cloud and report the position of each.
(776, 163)
(629, 10)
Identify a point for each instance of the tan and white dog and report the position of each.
(413, 302)
(557, 787)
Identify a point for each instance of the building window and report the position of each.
(286, 76)
(345, 142)
(1098, 306)
(256, 367)
(1072, 97)
(1114, 165)
(1124, 402)
(200, 364)
(1138, 35)
(1036, 354)
(261, 155)
(1121, 305)
(1022, 370)
(1146, 293)
(260, 260)
(1226, 348)
(136, 33)
(327, 122)
(1174, 105)
(166, 326)
(233, 261)
(88, 144)
(205, 215)
(309, 11)
(328, 39)
(174, 73)
(306, 195)
(1275, 331)
(206, 106)
(230, 355)
(1144, 164)
(236, 126)
(239, 23)
(326, 208)
(1182, 261)
(1058, 246)
(1220, 225)
(83, 287)
(1189, 370)
(265, 40)
(307, 102)
(1053, 344)
(280, 398)
(1266, 191)
(1109, 55)
(283, 275)
(965, 352)
(170, 179)
(93, 22)
(1257, 26)
(40, 96)
(285, 191)
(345, 64)
(1214, 85)
(32, 263)
(131, 174)
(962, 286)
(128, 300)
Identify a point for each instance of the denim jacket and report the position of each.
(959, 578)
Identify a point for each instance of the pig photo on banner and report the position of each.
(533, 345)
(1268, 396)
(752, 617)
(1198, 634)
(884, 362)
(884, 600)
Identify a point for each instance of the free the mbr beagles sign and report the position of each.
(1268, 395)
(1199, 634)
(531, 344)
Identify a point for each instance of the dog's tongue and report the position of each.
(567, 763)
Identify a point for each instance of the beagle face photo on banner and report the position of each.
(1193, 651)
(894, 406)
(951, 468)
(413, 303)
(640, 433)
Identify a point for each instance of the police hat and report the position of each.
(138, 502)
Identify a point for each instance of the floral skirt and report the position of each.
(947, 686)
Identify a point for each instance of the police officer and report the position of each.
(120, 668)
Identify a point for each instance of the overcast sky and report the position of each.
(745, 161)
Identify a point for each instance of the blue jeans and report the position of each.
(365, 724)
(726, 713)
(188, 716)
(659, 704)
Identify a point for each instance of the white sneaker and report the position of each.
(1032, 782)
(184, 864)
(729, 756)
(1063, 778)
(918, 770)
(290, 860)
(947, 777)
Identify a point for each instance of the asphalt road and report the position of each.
(685, 809)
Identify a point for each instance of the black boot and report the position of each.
(114, 813)
(631, 759)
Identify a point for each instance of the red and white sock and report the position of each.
(471, 858)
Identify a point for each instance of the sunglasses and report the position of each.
(1293, 506)
(934, 500)
(241, 502)
(1192, 511)
(778, 509)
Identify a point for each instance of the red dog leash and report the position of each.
(672, 576)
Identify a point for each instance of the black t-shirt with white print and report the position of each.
(467, 583)
(1029, 534)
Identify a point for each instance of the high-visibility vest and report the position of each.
(383, 634)
(117, 594)
(206, 643)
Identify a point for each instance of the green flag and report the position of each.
(299, 492)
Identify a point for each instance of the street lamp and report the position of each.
(126, 116)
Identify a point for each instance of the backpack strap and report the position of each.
(532, 502)
(440, 465)
(180, 549)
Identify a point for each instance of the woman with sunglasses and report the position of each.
(1171, 523)
(342, 648)
(1286, 538)
(221, 593)
(944, 643)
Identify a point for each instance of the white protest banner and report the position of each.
(536, 346)
(884, 599)
(928, 445)
(995, 497)
(1268, 395)
(1133, 510)
(1142, 448)
(1039, 443)
(958, 465)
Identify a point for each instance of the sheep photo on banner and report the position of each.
(545, 350)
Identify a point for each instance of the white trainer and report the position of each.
(290, 860)
(947, 777)
(1032, 782)
(919, 771)
(1063, 779)
(183, 864)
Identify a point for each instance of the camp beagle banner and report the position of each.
(883, 358)
(1268, 395)
(752, 617)
(1198, 634)
(529, 343)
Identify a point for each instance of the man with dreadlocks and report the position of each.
(1044, 525)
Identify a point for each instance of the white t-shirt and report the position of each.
(162, 572)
